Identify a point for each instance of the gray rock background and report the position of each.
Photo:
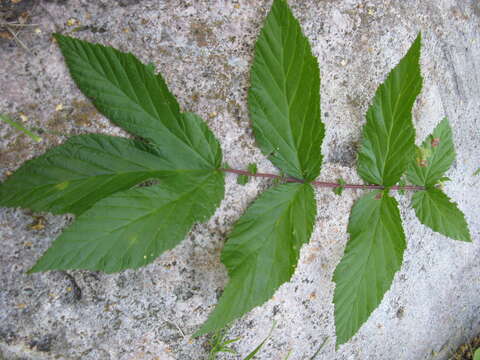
(204, 50)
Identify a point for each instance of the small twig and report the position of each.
(20, 127)
(18, 40)
(324, 184)
(4, 24)
(176, 325)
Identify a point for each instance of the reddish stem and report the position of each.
(321, 183)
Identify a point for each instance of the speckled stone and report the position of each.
(204, 50)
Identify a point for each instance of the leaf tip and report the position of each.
(467, 236)
(340, 340)
(419, 37)
(417, 43)
(200, 332)
(415, 51)
(33, 269)
(59, 37)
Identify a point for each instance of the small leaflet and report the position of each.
(243, 179)
(339, 189)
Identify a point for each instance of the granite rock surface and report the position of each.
(204, 50)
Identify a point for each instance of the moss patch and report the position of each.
(466, 351)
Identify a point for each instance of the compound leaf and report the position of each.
(133, 97)
(372, 256)
(131, 228)
(284, 98)
(388, 140)
(435, 210)
(434, 157)
(262, 251)
(71, 177)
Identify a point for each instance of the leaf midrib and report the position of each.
(291, 201)
(159, 209)
(288, 102)
(370, 252)
(291, 142)
(402, 92)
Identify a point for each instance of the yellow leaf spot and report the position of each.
(236, 6)
(72, 22)
(27, 244)
(21, 306)
(38, 31)
(23, 117)
(39, 224)
(62, 186)
(133, 239)
(69, 289)
(59, 107)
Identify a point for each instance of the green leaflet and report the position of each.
(476, 354)
(133, 97)
(432, 207)
(252, 168)
(131, 228)
(284, 97)
(388, 140)
(340, 188)
(434, 157)
(243, 179)
(435, 210)
(71, 177)
(372, 256)
(262, 251)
